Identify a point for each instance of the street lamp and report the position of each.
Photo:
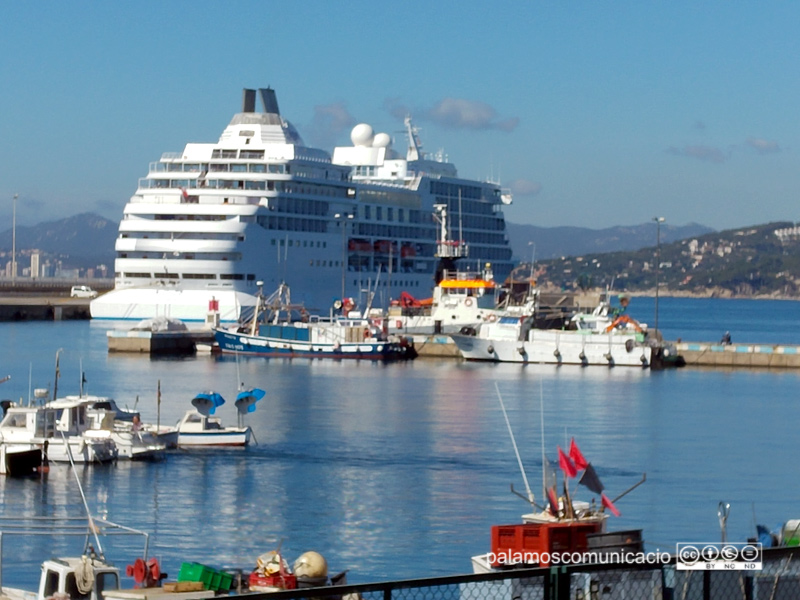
(343, 224)
(533, 262)
(659, 221)
(14, 240)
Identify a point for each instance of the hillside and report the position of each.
(745, 262)
(79, 242)
(554, 242)
(758, 261)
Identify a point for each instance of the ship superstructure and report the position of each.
(208, 226)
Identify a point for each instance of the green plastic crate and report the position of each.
(193, 571)
(226, 581)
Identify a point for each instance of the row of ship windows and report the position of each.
(175, 167)
(260, 168)
(456, 206)
(223, 276)
(176, 235)
(230, 256)
(241, 184)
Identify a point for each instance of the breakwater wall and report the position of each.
(703, 354)
(43, 308)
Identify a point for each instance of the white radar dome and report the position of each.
(362, 135)
(311, 564)
(382, 140)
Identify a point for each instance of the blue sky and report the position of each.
(593, 113)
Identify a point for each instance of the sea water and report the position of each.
(399, 470)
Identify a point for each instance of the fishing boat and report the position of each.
(560, 525)
(285, 334)
(207, 223)
(198, 427)
(596, 338)
(109, 404)
(61, 429)
(132, 439)
(89, 575)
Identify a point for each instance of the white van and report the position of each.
(82, 291)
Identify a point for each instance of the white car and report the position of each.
(82, 291)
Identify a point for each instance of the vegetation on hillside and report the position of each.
(763, 260)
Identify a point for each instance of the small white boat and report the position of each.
(109, 404)
(199, 428)
(61, 429)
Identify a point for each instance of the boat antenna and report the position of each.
(58, 373)
(92, 526)
(541, 427)
(516, 450)
(158, 407)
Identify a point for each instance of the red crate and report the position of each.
(283, 582)
(513, 542)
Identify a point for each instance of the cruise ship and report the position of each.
(211, 227)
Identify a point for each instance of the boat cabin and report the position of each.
(64, 576)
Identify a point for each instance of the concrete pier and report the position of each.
(43, 308)
(739, 355)
(157, 342)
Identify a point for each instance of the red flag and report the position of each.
(609, 505)
(551, 496)
(576, 456)
(566, 464)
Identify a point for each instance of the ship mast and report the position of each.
(414, 144)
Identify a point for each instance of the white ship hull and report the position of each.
(558, 347)
(186, 305)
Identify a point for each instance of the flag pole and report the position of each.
(541, 426)
(630, 489)
(516, 449)
(158, 405)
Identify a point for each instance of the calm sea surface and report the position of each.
(399, 470)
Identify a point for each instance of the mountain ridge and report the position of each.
(86, 240)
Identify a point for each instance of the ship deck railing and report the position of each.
(779, 578)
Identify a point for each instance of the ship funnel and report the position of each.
(269, 100)
(248, 101)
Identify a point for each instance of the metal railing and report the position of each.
(779, 579)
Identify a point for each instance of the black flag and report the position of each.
(591, 480)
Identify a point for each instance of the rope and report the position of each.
(84, 576)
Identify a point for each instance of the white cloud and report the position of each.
(455, 113)
(763, 146)
(704, 153)
(525, 187)
(328, 124)
(458, 113)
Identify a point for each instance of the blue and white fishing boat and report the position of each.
(199, 428)
(289, 331)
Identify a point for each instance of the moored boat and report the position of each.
(199, 428)
(196, 429)
(560, 528)
(597, 338)
(288, 330)
(61, 429)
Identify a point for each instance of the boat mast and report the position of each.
(516, 449)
